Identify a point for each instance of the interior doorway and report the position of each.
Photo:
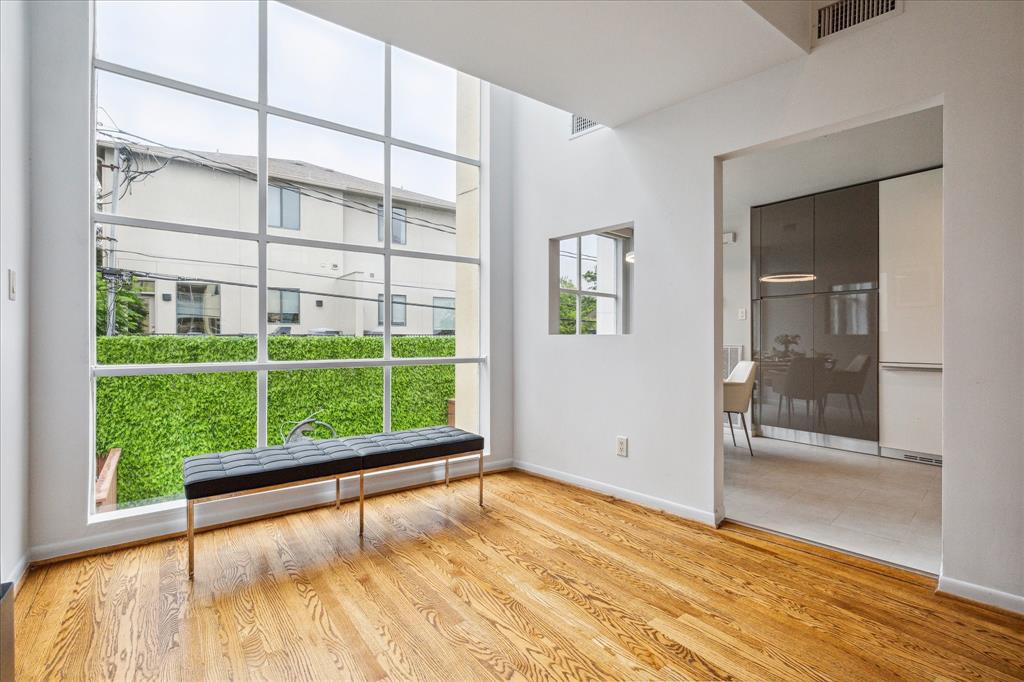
(832, 339)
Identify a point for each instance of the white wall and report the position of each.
(660, 385)
(14, 315)
(736, 283)
(61, 442)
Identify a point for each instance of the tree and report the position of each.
(129, 310)
(567, 309)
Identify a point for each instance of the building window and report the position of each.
(283, 207)
(398, 224)
(146, 289)
(177, 200)
(444, 315)
(198, 308)
(591, 282)
(283, 306)
(398, 308)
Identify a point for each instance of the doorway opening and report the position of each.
(832, 339)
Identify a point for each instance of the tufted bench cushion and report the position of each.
(230, 472)
(402, 447)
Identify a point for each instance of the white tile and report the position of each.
(873, 506)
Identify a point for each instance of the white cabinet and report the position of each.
(910, 314)
(910, 268)
(910, 405)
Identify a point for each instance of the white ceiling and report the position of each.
(878, 150)
(609, 61)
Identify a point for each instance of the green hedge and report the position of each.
(159, 420)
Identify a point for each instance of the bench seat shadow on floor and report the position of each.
(546, 581)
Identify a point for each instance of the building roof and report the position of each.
(299, 172)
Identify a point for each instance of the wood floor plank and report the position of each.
(547, 582)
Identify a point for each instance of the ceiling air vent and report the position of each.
(833, 17)
(582, 124)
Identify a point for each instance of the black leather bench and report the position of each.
(242, 472)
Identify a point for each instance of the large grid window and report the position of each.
(220, 324)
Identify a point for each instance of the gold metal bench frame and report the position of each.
(337, 491)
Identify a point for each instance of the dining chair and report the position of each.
(736, 393)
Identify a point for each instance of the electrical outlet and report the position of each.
(742, 314)
(622, 446)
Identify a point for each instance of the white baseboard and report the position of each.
(119, 531)
(17, 571)
(984, 595)
(674, 508)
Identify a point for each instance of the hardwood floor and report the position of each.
(546, 582)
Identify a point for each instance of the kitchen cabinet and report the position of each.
(846, 239)
(786, 243)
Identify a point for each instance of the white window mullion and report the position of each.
(262, 170)
(579, 284)
(386, 218)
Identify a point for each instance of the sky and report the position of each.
(314, 67)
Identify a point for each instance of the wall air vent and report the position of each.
(582, 124)
(731, 356)
(833, 17)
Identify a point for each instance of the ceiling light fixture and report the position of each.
(788, 278)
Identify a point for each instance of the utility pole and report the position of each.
(110, 276)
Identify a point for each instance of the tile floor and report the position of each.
(874, 506)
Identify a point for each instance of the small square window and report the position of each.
(591, 282)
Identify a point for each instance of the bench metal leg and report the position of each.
(360, 504)
(481, 478)
(337, 493)
(191, 539)
(446, 473)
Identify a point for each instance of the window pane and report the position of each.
(567, 264)
(334, 297)
(599, 263)
(333, 181)
(441, 200)
(567, 313)
(213, 44)
(318, 68)
(444, 315)
(435, 395)
(423, 281)
(198, 308)
(274, 206)
(204, 303)
(606, 315)
(290, 209)
(173, 156)
(398, 310)
(157, 421)
(434, 105)
(349, 400)
(588, 315)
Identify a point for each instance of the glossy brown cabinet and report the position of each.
(786, 360)
(846, 239)
(786, 242)
(816, 338)
(846, 368)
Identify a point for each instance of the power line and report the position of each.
(269, 269)
(193, 280)
(189, 156)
